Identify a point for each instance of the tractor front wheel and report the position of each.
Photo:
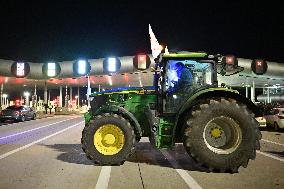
(108, 139)
(222, 135)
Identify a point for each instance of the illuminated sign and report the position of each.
(230, 60)
(111, 65)
(20, 69)
(141, 62)
(51, 69)
(82, 64)
(81, 68)
(259, 66)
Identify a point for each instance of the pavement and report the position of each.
(46, 153)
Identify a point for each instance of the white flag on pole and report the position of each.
(155, 46)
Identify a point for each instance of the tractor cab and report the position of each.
(182, 75)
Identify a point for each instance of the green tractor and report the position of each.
(216, 125)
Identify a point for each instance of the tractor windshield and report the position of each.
(182, 78)
(186, 74)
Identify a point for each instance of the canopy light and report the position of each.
(259, 66)
(51, 69)
(20, 69)
(26, 94)
(141, 62)
(81, 68)
(111, 65)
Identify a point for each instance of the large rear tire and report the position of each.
(222, 135)
(108, 139)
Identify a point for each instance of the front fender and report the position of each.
(125, 113)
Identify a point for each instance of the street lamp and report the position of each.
(27, 94)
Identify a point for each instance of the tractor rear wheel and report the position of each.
(108, 139)
(222, 135)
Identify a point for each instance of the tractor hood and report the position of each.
(126, 90)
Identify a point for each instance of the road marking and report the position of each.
(272, 142)
(34, 129)
(103, 179)
(271, 156)
(184, 175)
(37, 141)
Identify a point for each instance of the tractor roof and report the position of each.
(186, 55)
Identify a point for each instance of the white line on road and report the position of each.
(37, 141)
(103, 179)
(184, 175)
(271, 156)
(272, 142)
(34, 129)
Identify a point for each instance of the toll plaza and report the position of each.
(68, 78)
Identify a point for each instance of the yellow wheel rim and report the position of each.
(109, 139)
(216, 133)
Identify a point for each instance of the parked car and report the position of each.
(17, 113)
(276, 118)
(261, 121)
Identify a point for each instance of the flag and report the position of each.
(155, 46)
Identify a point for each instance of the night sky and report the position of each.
(40, 31)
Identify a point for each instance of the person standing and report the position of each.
(45, 107)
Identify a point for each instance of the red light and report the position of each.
(142, 61)
(259, 63)
(17, 102)
(229, 60)
(142, 58)
(259, 66)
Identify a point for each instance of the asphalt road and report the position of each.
(47, 153)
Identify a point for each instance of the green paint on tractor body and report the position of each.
(136, 101)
